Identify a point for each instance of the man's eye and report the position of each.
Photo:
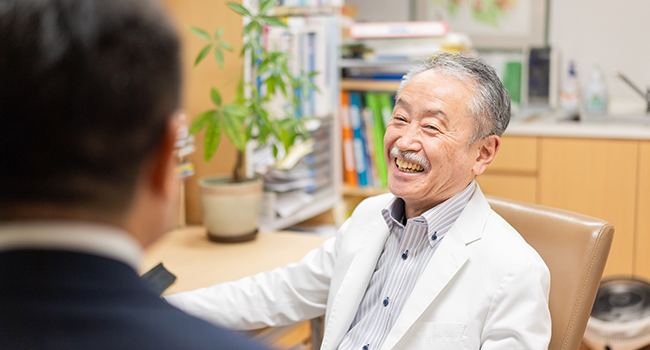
(431, 127)
(399, 118)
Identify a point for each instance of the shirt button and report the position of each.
(386, 301)
(435, 236)
(366, 347)
(405, 255)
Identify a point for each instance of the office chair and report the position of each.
(575, 248)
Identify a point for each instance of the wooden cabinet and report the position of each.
(642, 237)
(595, 177)
(513, 172)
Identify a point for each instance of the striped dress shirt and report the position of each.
(406, 253)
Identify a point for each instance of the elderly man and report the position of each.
(429, 266)
(88, 94)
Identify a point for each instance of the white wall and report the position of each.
(612, 34)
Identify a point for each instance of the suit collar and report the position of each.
(471, 222)
(353, 287)
(74, 236)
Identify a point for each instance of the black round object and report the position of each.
(622, 299)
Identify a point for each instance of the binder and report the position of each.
(386, 104)
(359, 147)
(378, 130)
(349, 169)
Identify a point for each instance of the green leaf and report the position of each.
(216, 97)
(282, 87)
(239, 9)
(200, 33)
(200, 122)
(212, 136)
(275, 151)
(251, 28)
(204, 52)
(226, 45)
(272, 21)
(218, 54)
(249, 130)
(266, 6)
(240, 91)
(234, 128)
(218, 33)
(270, 85)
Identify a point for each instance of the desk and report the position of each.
(198, 262)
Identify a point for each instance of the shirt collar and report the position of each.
(437, 219)
(84, 237)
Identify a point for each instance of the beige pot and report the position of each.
(230, 210)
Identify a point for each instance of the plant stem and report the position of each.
(238, 173)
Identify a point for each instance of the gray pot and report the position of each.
(230, 210)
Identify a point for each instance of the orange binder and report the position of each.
(349, 170)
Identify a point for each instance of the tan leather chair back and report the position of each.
(575, 248)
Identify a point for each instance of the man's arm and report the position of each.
(282, 296)
(519, 317)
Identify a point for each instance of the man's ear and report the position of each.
(486, 151)
(162, 162)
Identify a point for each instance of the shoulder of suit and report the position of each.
(505, 241)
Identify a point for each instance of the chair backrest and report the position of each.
(575, 248)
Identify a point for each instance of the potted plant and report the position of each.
(231, 204)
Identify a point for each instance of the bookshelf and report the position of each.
(313, 39)
(370, 85)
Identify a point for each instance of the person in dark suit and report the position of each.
(88, 94)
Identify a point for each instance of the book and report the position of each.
(359, 143)
(347, 139)
(369, 143)
(411, 29)
(378, 130)
(386, 105)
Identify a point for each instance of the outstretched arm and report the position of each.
(279, 297)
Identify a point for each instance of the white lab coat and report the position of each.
(484, 288)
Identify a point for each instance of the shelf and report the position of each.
(363, 191)
(361, 63)
(370, 85)
(282, 11)
(321, 204)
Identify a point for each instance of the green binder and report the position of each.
(372, 102)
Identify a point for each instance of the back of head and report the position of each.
(86, 90)
(490, 105)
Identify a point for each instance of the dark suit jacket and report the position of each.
(65, 300)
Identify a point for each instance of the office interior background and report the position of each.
(598, 169)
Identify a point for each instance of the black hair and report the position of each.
(87, 88)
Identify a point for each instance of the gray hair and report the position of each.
(490, 105)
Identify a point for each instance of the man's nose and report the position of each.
(410, 140)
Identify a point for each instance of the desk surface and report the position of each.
(198, 262)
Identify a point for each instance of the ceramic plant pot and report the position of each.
(230, 210)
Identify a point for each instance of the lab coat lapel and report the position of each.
(446, 262)
(353, 287)
(449, 258)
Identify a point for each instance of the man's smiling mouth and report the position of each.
(408, 167)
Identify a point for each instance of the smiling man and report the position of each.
(428, 266)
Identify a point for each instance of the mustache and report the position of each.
(411, 157)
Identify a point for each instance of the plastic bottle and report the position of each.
(570, 94)
(595, 97)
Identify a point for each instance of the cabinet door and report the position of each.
(518, 187)
(518, 154)
(642, 246)
(596, 178)
(513, 172)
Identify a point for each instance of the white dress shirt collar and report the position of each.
(83, 237)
